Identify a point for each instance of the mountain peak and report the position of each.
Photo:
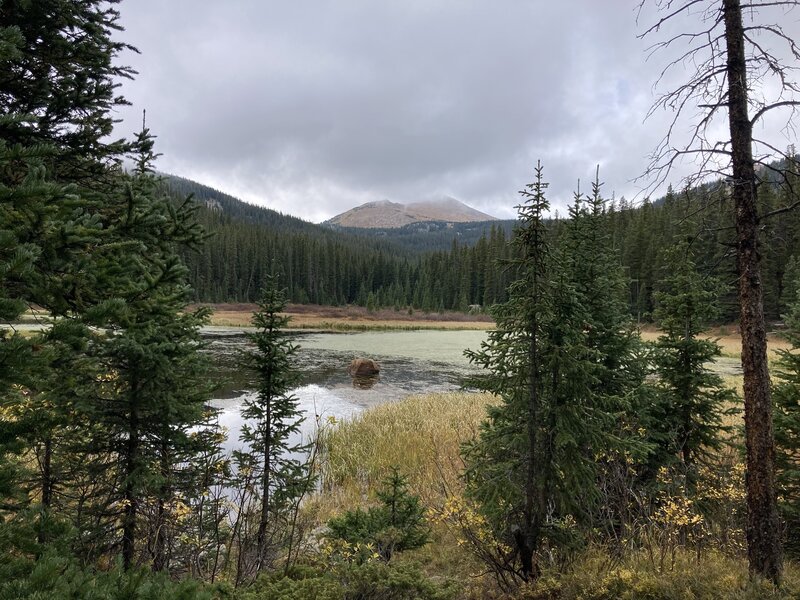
(387, 214)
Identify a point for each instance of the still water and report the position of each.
(412, 362)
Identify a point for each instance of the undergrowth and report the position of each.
(422, 435)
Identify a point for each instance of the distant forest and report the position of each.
(441, 266)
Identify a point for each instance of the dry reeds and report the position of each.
(422, 435)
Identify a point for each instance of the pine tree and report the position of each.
(273, 455)
(156, 391)
(686, 419)
(61, 76)
(529, 467)
(396, 525)
(57, 87)
(593, 266)
(786, 395)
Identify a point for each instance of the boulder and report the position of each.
(363, 367)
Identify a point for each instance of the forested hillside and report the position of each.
(322, 265)
(704, 218)
(442, 266)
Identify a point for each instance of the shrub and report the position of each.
(397, 525)
(350, 581)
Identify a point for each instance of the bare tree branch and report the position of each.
(769, 107)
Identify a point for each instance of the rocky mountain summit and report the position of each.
(387, 214)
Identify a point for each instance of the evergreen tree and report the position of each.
(588, 259)
(156, 391)
(57, 167)
(685, 422)
(274, 455)
(787, 430)
(396, 525)
(593, 266)
(529, 467)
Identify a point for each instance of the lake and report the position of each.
(412, 362)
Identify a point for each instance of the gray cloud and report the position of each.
(312, 107)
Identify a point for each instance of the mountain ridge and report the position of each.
(385, 214)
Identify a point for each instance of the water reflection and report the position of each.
(365, 383)
(411, 363)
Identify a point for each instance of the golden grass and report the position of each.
(711, 576)
(231, 318)
(730, 342)
(348, 324)
(351, 318)
(421, 435)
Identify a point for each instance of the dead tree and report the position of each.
(740, 65)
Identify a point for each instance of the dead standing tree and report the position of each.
(740, 64)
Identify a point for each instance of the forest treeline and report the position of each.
(455, 268)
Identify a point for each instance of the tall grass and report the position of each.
(421, 435)
(712, 576)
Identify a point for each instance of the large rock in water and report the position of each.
(363, 367)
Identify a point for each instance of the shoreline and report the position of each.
(318, 319)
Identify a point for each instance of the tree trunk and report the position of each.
(130, 496)
(47, 487)
(267, 473)
(763, 530)
(527, 544)
(160, 559)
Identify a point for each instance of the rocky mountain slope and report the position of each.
(387, 214)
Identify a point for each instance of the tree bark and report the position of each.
(266, 476)
(160, 558)
(763, 527)
(528, 543)
(130, 496)
(47, 487)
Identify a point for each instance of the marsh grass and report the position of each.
(729, 341)
(352, 318)
(422, 435)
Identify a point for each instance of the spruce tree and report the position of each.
(787, 430)
(588, 259)
(686, 420)
(61, 75)
(529, 467)
(593, 265)
(274, 455)
(156, 391)
(57, 87)
(396, 525)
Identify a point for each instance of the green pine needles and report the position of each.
(686, 418)
(275, 460)
(786, 397)
(396, 525)
(556, 366)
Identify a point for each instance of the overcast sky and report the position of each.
(312, 107)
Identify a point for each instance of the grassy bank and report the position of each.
(352, 318)
(729, 340)
(422, 435)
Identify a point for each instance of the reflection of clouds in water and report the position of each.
(316, 403)
(411, 363)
